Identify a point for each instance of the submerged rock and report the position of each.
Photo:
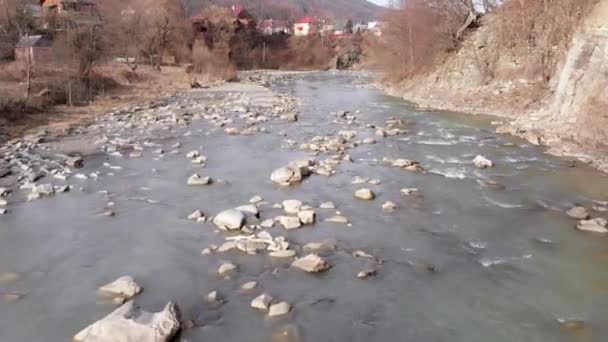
(389, 207)
(131, 324)
(124, 287)
(283, 254)
(249, 286)
(366, 274)
(311, 263)
(227, 268)
(482, 162)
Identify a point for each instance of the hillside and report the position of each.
(292, 9)
(551, 92)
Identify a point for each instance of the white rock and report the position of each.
(249, 286)
(193, 154)
(286, 176)
(307, 217)
(283, 254)
(289, 222)
(227, 246)
(197, 179)
(125, 287)
(231, 219)
(131, 324)
(261, 302)
(292, 206)
(249, 210)
(227, 268)
(579, 213)
(214, 296)
(597, 225)
(3, 202)
(256, 199)
(327, 205)
(482, 162)
(267, 224)
(365, 194)
(311, 263)
(196, 215)
(409, 191)
(279, 309)
(389, 207)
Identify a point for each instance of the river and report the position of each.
(480, 255)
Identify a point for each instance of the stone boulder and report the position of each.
(124, 287)
(597, 225)
(129, 323)
(286, 176)
(311, 263)
(231, 219)
(197, 179)
(365, 194)
(579, 213)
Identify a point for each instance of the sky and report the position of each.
(380, 2)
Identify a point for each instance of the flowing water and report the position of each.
(507, 261)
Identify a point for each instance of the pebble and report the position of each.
(597, 225)
(289, 222)
(320, 246)
(125, 287)
(249, 286)
(262, 302)
(292, 206)
(267, 223)
(256, 200)
(206, 251)
(214, 296)
(366, 274)
(327, 205)
(482, 162)
(365, 194)
(279, 309)
(197, 179)
(227, 268)
(579, 213)
(307, 217)
(311, 263)
(389, 207)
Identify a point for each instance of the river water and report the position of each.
(508, 263)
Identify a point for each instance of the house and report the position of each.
(83, 12)
(243, 17)
(34, 49)
(272, 26)
(338, 27)
(376, 27)
(306, 26)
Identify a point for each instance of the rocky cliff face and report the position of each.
(569, 114)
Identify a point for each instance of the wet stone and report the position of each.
(249, 286)
(279, 309)
(579, 213)
(365, 194)
(292, 206)
(131, 324)
(289, 222)
(307, 217)
(482, 162)
(262, 302)
(283, 254)
(311, 263)
(124, 287)
(598, 225)
(231, 219)
(227, 268)
(197, 179)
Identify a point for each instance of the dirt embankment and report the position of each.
(566, 110)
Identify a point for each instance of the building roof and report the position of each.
(306, 20)
(33, 41)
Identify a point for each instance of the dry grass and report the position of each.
(211, 66)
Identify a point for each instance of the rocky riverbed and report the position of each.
(297, 207)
